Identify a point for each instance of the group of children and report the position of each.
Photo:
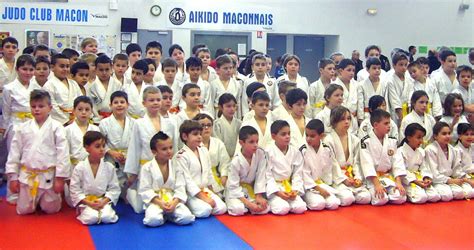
(177, 139)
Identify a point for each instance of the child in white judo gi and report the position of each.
(444, 160)
(297, 101)
(162, 186)
(419, 103)
(419, 179)
(195, 162)
(464, 145)
(245, 190)
(38, 162)
(284, 172)
(373, 85)
(227, 126)
(327, 71)
(383, 177)
(320, 171)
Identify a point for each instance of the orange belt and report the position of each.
(174, 110)
(105, 114)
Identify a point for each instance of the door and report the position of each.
(310, 49)
(276, 46)
(163, 37)
(236, 41)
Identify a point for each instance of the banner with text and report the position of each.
(220, 17)
(54, 13)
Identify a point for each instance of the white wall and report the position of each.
(399, 23)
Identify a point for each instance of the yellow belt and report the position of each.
(92, 198)
(386, 175)
(216, 176)
(404, 109)
(249, 188)
(471, 175)
(428, 108)
(142, 162)
(349, 171)
(33, 182)
(69, 111)
(74, 161)
(165, 194)
(23, 115)
(134, 116)
(319, 105)
(286, 185)
(419, 177)
(319, 181)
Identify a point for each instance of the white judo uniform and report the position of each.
(271, 89)
(135, 99)
(365, 91)
(297, 138)
(285, 173)
(466, 160)
(84, 185)
(454, 132)
(377, 160)
(321, 170)
(228, 132)
(434, 103)
(220, 162)
(427, 121)
(234, 87)
(349, 167)
(467, 94)
(301, 83)
(366, 126)
(445, 168)
(139, 152)
(350, 94)
(316, 97)
(198, 177)
(118, 139)
(153, 185)
(396, 98)
(101, 97)
(37, 156)
(264, 139)
(364, 74)
(62, 98)
(246, 180)
(443, 84)
(325, 117)
(176, 87)
(75, 139)
(416, 169)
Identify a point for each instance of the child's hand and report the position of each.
(117, 156)
(262, 202)
(15, 186)
(293, 194)
(324, 193)
(349, 182)
(58, 185)
(158, 202)
(223, 180)
(421, 184)
(458, 182)
(131, 179)
(285, 196)
(253, 207)
(470, 181)
(95, 205)
(401, 189)
(102, 202)
(203, 196)
(172, 205)
(379, 191)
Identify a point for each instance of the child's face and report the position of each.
(450, 64)
(345, 123)
(282, 138)
(73, 60)
(119, 106)
(194, 73)
(152, 102)
(164, 150)
(206, 127)
(137, 76)
(120, 66)
(249, 145)
(229, 109)
(134, 56)
(41, 72)
(178, 56)
(336, 99)
(236, 59)
(9, 50)
(269, 64)
(374, 71)
(292, 67)
(347, 73)
(225, 71)
(103, 71)
(421, 104)
(382, 127)
(25, 73)
(205, 58)
(313, 138)
(148, 77)
(261, 108)
(169, 73)
(83, 112)
(373, 53)
(457, 107)
(328, 72)
(90, 48)
(96, 149)
(401, 67)
(61, 68)
(154, 53)
(82, 76)
(426, 69)
(416, 140)
(467, 138)
(299, 107)
(44, 53)
(444, 136)
(40, 109)
(383, 106)
(193, 139)
(193, 97)
(465, 78)
(416, 73)
(166, 101)
(259, 67)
